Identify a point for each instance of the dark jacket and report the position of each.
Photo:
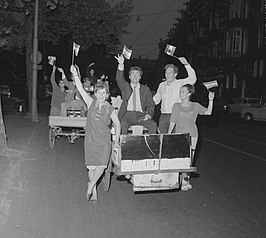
(147, 103)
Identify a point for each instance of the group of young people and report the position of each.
(64, 95)
(178, 114)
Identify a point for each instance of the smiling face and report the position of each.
(170, 74)
(184, 93)
(135, 76)
(61, 84)
(101, 95)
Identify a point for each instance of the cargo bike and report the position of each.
(152, 161)
(71, 127)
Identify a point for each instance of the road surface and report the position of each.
(43, 190)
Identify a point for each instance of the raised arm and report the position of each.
(120, 78)
(64, 78)
(210, 106)
(87, 99)
(192, 78)
(52, 78)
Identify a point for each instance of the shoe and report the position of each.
(189, 186)
(93, 197)
(128, 176)
(89, 193)
(185, 186)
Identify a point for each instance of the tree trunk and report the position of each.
(3, 141)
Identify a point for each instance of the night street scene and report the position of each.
(132, 118)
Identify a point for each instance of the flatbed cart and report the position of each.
(154, 162)
(70, 128)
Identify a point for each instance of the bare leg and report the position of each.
(186, 176)
(90, 176)
(94, 176)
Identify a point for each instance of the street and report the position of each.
(44, 196)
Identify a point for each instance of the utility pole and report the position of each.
(34, 111)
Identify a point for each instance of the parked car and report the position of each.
(5, 90)
(254, 113)
(243, 103)
(10, 103)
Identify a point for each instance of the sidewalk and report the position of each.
(20, 131)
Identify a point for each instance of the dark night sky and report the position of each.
(153, 25)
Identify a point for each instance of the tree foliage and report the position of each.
(86, 21)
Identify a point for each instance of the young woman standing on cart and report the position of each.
(97, 133)
(183, 118)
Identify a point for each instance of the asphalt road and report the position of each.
(45, 191)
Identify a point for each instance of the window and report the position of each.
(233, 41)
(201, 31)
(215, 49)
(244, 9)
(238, 9)
(234, 81)
(210, 23)
(260, 36)
(216, 23)
(234, 11)
(245, 42)
(262, 5)
(190, 38)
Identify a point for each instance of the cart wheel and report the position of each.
(51, 138)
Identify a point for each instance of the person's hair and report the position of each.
(190, 89)
(100, 86)
(172, 66)
(135, 68)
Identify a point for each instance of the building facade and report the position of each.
(224, 40)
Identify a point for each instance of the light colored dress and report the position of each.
(98, 135)
(185, 117)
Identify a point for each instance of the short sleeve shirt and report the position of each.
(185, 117)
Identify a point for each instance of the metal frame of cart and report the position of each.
(70, 128)
(154, 162)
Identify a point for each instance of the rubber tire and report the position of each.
(51, 138)
(248, 117)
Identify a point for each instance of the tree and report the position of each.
(87, 22)
(3, 141)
